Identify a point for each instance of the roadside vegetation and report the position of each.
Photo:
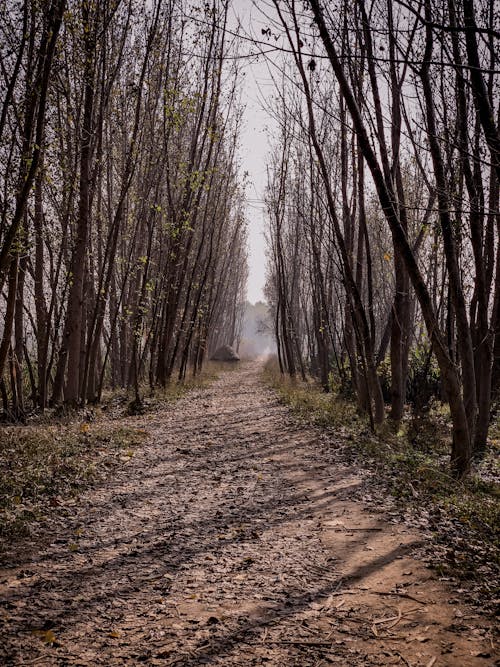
(123, 255)
(47, 462)
(382, 213)
(462, 517)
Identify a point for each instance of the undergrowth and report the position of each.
(47, 462)
(44, 467)
(411, 461)
(117, 403)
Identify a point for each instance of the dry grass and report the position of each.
(311, 404)
(44, 465)
(412, 464)
(58, 454)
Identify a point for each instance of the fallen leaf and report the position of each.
(46, 636)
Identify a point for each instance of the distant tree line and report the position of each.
(383, 204)
(122, 235)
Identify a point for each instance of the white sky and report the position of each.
(254, 144)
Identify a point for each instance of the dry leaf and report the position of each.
(47, 636)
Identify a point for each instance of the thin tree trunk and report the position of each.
(461, 450)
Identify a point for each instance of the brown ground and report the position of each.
(235, 536)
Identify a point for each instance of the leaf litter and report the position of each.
(234, 536)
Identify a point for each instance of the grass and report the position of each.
(312, 405)
(412, 463)
(45, 464)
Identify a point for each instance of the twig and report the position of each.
(408, 664)
(399, 617)
(38, 659)
(341, 525)
(299, 643)
(401, 595)
(394, 620)
(378, 621)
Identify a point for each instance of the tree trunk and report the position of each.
(461, 449)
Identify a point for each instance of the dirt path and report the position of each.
(233, 537)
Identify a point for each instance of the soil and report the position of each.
(234, 536)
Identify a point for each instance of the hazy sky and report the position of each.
(254, 145)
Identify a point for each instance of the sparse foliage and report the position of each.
(123, 239)
(383, 202)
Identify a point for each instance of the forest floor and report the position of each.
(234, 535)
